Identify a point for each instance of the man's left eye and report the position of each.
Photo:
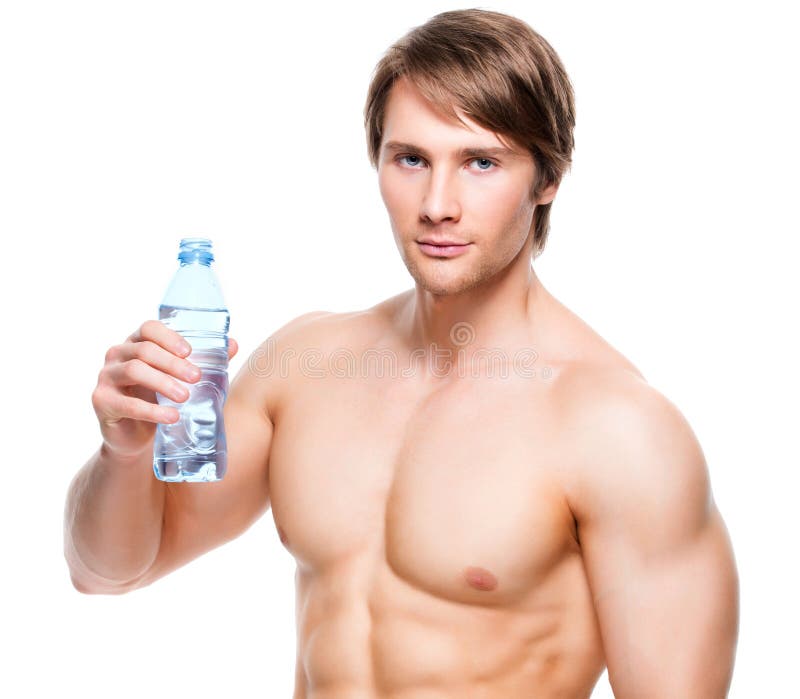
(403, 158)
(486, 161)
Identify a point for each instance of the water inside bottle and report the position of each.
(194, 448)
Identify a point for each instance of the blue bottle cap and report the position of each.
(198, 249)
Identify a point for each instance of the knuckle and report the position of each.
(144, 350)
(133, 367)
(97, 398)
(149, 327)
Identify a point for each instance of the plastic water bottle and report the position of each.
(194, 447)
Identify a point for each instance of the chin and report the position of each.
(445, 283)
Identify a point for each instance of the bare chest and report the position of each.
(456, 491)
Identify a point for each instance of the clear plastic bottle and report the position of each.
(194, 447)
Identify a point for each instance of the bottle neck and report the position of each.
(195, 257)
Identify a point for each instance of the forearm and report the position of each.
(112, 521)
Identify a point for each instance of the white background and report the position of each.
(124, 126)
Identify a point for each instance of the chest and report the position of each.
(456, 490)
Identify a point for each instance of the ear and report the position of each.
(548, 194)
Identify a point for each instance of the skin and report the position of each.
(460, 532)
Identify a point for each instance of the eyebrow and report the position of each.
(464, 152)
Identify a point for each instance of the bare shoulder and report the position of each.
(628, 440)
(657, 556)
(327, 330)
(575, 344)
(306, 344)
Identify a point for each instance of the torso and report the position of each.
(437, 555)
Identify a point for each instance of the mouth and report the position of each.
(442, 248)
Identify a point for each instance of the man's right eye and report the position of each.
(400, 158)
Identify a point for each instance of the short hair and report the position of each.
(497, 70)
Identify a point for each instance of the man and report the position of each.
(462, 527)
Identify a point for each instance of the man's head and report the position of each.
(469, 78)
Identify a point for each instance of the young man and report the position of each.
(462, 527)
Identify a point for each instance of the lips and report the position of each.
(442, 249)
(441, 241)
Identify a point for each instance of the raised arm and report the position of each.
(114, 506)
(656, 551)
(123, 528)
(199, 517)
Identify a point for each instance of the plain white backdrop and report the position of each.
(125, 126)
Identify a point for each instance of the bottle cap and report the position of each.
(196, 249)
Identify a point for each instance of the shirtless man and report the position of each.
(484, 498)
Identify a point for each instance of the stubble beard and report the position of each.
(438, 279)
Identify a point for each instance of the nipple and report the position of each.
(480, 578)
(282, 536)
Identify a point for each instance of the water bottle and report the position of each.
(194, 447)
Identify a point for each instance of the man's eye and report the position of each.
(403, 157)
(485, 161)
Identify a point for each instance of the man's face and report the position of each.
(434, 190)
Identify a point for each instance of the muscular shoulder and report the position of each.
(306, 345)
(629, 442)
(328, 330)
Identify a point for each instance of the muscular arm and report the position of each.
(199, 517)
(657, 554)
(112, 521)
(124, 528)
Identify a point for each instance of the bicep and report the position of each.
(199, 517)
(668, 617)
(657, 555)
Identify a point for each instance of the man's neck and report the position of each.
(499, 316)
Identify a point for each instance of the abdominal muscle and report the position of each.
(365, 633)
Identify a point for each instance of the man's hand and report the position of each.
(124, 400)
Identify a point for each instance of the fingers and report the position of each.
(156, 331)
(131, 354)
(154, 357)
(139, 372)
(111, 406)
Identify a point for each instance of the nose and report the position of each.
(441, 200)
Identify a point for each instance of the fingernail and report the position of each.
(184, 348)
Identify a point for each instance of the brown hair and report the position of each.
(497, 70)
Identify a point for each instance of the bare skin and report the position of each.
(463, 528)
(437, 554)
(435, 521)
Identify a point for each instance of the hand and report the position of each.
(124, 399)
